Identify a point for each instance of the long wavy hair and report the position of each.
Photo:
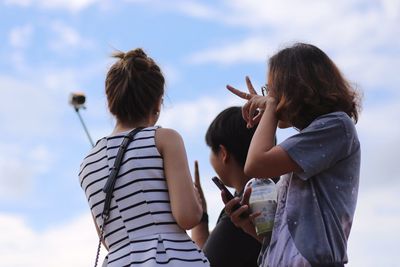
(307, 84)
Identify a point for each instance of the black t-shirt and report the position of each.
(229, 246)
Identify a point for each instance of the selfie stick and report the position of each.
(77, 100)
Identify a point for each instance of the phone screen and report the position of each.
(228, 195)
(222, 187)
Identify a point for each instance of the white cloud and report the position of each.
(253, 49)
(73, 5)
(27, 105)
(392, 8)
(19, 167)
(22, 3)
(41, 157)
(369, 69)
(70, 5)
(375, 227)
(67, 38)
(188, 7)
(377, 215)
(193, 117)
(172, 74)
(15, 177)
(379, 132)
(194, 9)
(30, 114)
(361, 37)
(37, 98)
(380, 123)
(189, 116)
(63, 40)
(286, 13)
(18, 59)
(20, 37)
(292, 15)
(73, 243)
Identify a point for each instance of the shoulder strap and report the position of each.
(109, 186)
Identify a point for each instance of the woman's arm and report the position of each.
(264, 158)
(200, 232)
(185, 205)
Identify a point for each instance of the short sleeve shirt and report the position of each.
(316, 207)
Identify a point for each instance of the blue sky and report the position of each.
(50, 48)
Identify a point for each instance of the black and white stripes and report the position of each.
(141, 229)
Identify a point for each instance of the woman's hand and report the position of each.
(241, 94)
(198, 187)
(200, 232)
(254, 108)
(240, 217)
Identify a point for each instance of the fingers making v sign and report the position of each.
(253, 109)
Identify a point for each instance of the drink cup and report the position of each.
(263, 200)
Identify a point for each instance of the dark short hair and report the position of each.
(229, 129)
(134, 84)
(307, 84)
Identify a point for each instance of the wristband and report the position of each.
(204, 218)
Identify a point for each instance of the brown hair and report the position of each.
(134, 85)
(307, 84)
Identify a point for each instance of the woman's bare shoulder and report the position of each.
(167, 137)
(167, 133)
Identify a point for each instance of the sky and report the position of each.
(50, 48)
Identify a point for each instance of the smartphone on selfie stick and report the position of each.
(228, 195)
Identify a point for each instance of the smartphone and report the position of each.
(228, 195)
(222, 187)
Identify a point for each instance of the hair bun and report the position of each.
(134, 86)
(134, 59)
(140, 64)
(138, 52)
(133, 54)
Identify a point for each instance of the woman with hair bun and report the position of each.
(154, 200)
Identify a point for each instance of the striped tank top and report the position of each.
(141, 230)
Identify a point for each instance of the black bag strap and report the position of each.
(109, 186)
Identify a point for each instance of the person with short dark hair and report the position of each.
(154, 200)
(320, 165)
(229, 140)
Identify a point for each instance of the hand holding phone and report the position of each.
(228, 195)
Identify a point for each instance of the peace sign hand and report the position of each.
(241, 94)
(253, 109)
(198, 187)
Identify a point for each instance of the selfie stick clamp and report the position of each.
(77, 101)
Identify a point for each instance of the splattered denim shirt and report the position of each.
(316, 207)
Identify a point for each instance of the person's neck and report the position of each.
(121, 127)
(239, 181)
